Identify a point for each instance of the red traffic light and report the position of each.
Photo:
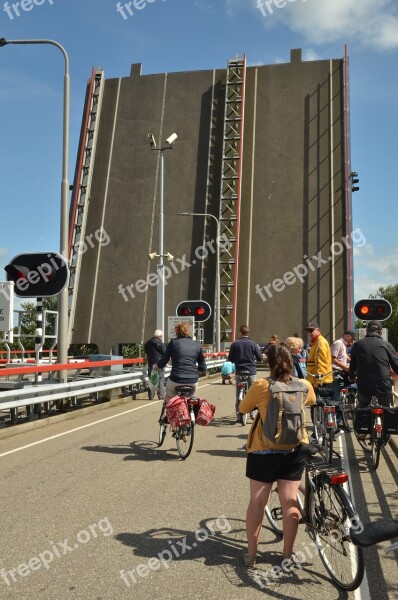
(199, 309)
(376, 309)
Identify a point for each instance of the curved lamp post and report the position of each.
(62, 354)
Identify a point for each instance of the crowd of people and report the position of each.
(296, 368)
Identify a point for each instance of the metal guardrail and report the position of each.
(33, 393)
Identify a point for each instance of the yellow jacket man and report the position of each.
(319, 361)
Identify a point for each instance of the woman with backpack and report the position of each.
(273, 447)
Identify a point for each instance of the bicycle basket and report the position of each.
(363, 420)
(177, 412)
(390, 420)
(206, 412)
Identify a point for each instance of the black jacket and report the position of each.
(154, 349)
(185, 354)
(371, 361)
(244, 353)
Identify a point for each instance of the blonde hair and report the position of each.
(182, 329)
(295, 344)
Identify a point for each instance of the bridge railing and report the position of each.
(133, 377)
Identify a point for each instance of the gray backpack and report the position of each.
(284, 423)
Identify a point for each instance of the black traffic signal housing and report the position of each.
(354, 181)
(199, 309)
(373, 309)
(38, 275)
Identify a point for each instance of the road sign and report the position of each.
(171, 323)
(38, 275)
(7, 309)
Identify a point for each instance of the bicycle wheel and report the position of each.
(319, 428)
(162, 432)
(347, 405)
(328, 445)
(273, 509)
(242, 415)
(375, 447)
(184, 439)
(331, 514)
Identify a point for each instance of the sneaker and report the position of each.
(239, 420)
(339, 432)
(362, 437)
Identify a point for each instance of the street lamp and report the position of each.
(62, 354)
(218, 299)
(161, 254)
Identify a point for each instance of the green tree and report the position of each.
(28, 323)
(390, 293)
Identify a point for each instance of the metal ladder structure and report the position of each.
(230, 196)
(82, 186)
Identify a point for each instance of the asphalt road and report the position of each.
(92, 509)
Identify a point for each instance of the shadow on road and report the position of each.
(219, 542)
(138, 450)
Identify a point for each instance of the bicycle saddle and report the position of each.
(375, 532)
(185, 389)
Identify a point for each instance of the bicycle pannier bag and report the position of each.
(177, 412)
(284, 424)
(206, 412)
(363, 420)
(390, 420)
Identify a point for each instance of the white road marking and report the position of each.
(53, 437)
(363, 592)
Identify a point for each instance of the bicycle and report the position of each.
(184, 435)
(242, 385)
(324, 420)
(370, 434)
(332, 521)
(348, 404)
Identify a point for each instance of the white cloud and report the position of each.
(310, 54)
(371, 23)
(372, 271)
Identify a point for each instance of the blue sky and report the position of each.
(180, 35)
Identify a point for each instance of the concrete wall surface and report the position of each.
(292, 205)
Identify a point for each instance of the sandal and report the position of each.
(249, 561)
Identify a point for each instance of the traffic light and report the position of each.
(38, 275)
(199, 309)
(354, 181)
(374, 309)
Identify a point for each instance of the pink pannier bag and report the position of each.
(177, 412)
(206, 412)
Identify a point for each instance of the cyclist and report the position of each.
(319, 363)
(187, 356)
(154, 350)
(372, 360)
(244, 352)
(265, 465)
(341, 365)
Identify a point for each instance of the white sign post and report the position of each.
(7, 310)
(171, 323)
